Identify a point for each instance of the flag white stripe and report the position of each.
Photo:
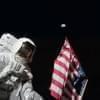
(66, 53)
(58, 78)
(66, 44)
(56, 89)
(76, 72)
(64, 61)
(59, 68)
(66, 75)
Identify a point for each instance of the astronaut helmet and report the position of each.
(25, 48)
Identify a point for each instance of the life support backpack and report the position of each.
(6, 42)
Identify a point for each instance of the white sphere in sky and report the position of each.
(63, 25)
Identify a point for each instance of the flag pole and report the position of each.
(83, 88)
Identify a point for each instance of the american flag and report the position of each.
(67, 73)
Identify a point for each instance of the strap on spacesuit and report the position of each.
(19, 89)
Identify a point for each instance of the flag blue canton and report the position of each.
(81, 72)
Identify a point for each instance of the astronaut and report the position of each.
(16, 76)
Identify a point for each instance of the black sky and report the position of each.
(41, 20)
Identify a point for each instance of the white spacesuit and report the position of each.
(15, 74)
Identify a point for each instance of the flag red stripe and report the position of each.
(61, 64)
(67, 49)
(56, 95)
(64, 56)
(60, 74)
(57, 83)
(76, 61)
